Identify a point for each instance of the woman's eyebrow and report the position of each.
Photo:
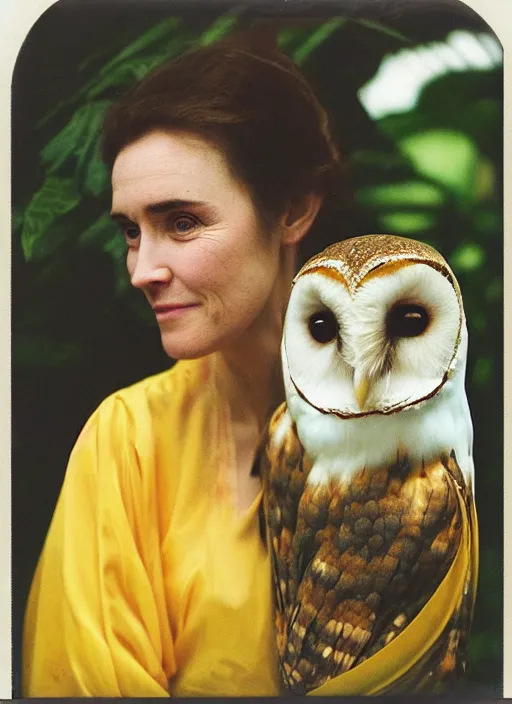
(161, 207)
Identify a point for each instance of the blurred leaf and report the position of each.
(487, 220)
(462, 100)
(163, 29)
(17, 219)
(97, 176)
(482, 373)
(142, 310)
(373, 158)
(316, 38)
(459, 100)
(406, 194)
(133, 70)
(445, 156)
(89, 137)
(68, 140)
(222, 26)
(92, 174)
(494, 292)
(484, 180)
(56, 197)
(102, 230)
(33, 350)
(478, 319)
(289, 37)
(467, 257)
(403, 223)
(383, 29)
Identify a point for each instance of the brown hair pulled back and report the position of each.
(252, 102)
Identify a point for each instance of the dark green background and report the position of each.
(79, 332)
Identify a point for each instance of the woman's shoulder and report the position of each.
(158, 395)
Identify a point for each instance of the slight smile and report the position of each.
(166, 312)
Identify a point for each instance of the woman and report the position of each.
(153, 579)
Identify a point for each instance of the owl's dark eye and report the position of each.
(407, 320)
(323, 326)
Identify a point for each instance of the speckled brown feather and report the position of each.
(354, 562)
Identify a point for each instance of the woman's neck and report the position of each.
(251, 367)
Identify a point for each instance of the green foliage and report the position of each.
(446, 157)
(316, 38)
(384, 29)
(467, 257)
(56, 197)
(219, 29)
(76, 176)
(433, 173)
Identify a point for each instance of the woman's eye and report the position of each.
(130, 232)
(184, 224)
(407, 320)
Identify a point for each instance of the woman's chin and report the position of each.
(198, 342)
(181, 347)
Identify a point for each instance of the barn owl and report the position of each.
(368, 474)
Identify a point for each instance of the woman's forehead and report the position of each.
(160, 152)
(170, 165)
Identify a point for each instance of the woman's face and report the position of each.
(195, 242)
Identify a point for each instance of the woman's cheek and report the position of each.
(131, 259)
(209, 264)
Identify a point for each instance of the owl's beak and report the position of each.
(362, 386)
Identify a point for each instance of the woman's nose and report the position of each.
(149, 269)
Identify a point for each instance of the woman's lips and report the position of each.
(167, 312)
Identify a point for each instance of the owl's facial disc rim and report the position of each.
(407, 400)
(390, 410)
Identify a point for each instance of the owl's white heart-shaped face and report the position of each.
(373, 339)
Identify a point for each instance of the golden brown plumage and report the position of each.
(369, 472)
(355, 562)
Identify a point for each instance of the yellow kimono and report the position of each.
(150, 583)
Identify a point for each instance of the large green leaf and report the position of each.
(459, 101)
(91, 172)
(97, 176)
(56, 197)
(89, 137)
(68, 140)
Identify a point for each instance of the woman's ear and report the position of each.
(299, 217)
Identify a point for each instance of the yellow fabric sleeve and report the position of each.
(95, 625)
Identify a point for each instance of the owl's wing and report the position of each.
(444, 658)
(353, 563)
(284, 468)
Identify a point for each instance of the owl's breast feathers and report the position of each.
(358, 564)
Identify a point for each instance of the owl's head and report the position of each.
(374, 326)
